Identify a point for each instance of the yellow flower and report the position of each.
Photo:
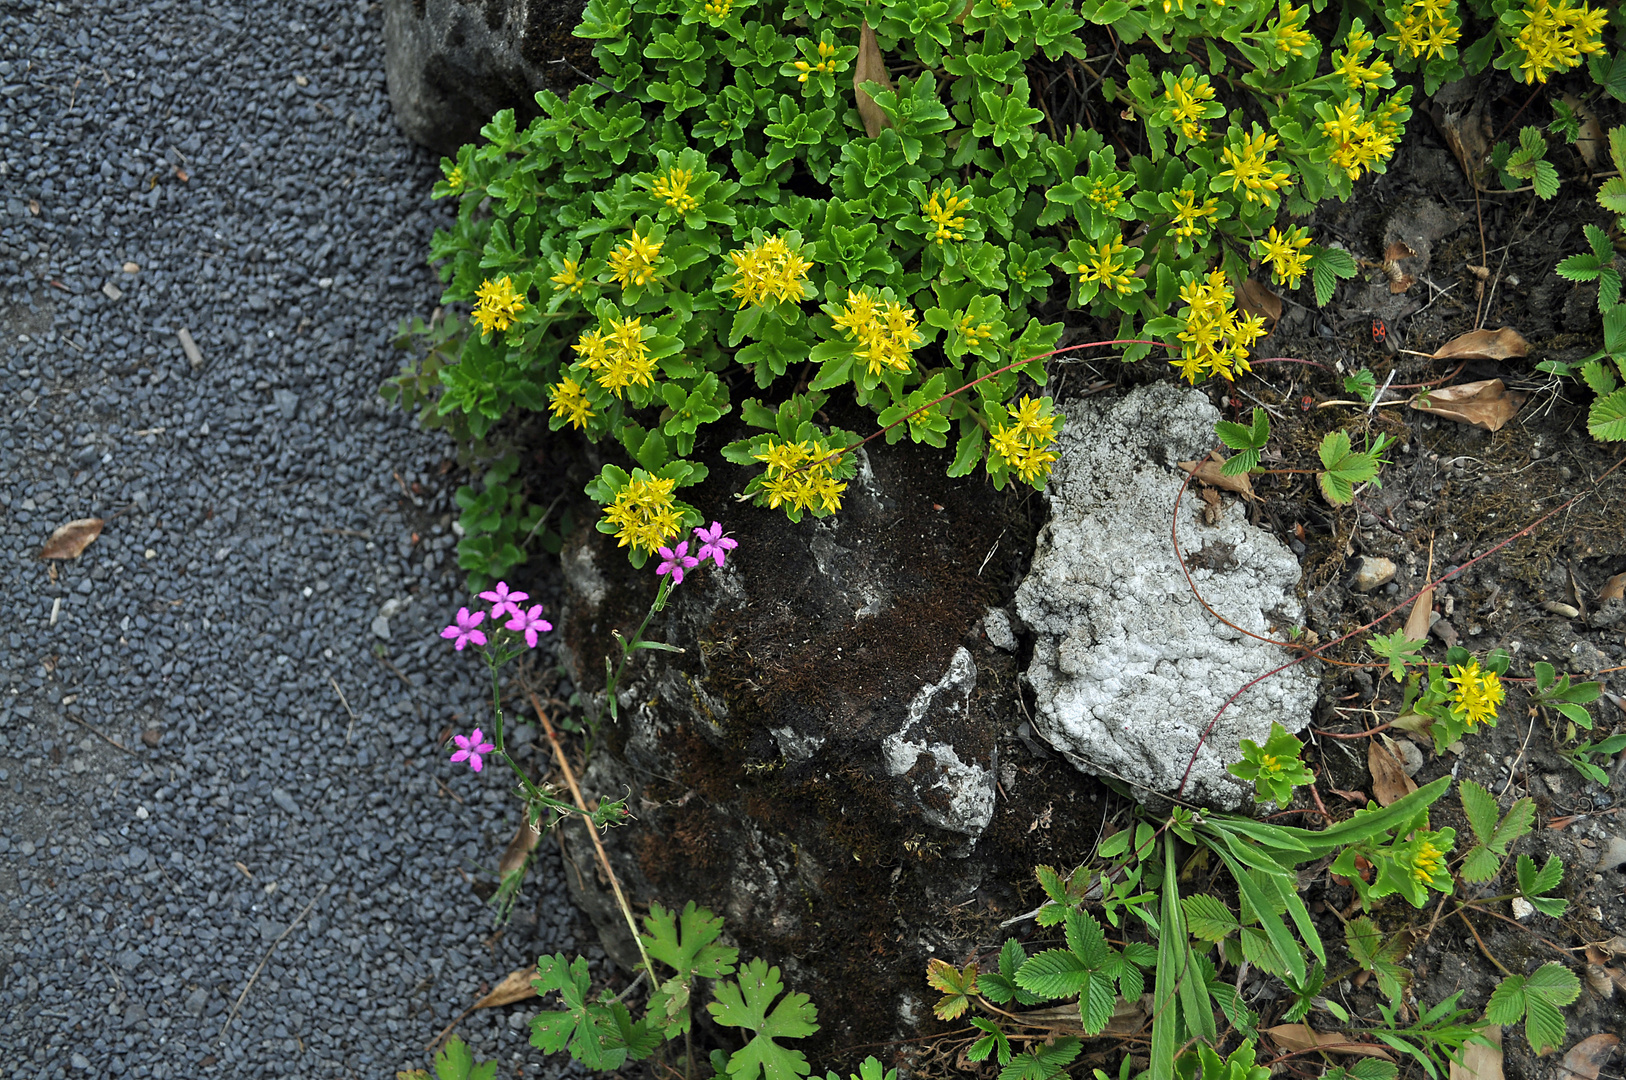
(1190, 218)
(1186, 100)
(569, 401)
(592, 351)
(1023, 443)
(974, 334)
(801, 475)
(1285, 253)
(629, 362)
(1426, 28)
(1348, 62)
(886, 335)
(826, 64)
(1427, 863)
(569, 278)
(454, 179)
(1291, 37)
(1215, 339)
(1358, 142)
(717, 9)
(633, 263)
(1251, 169)
(644, 513)
(1478, 693)
(673, 190)
(497, 305)
(1105, 266)
(1556, 36)
(768, 270)
(943, 209)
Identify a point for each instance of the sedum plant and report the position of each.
(744, 211)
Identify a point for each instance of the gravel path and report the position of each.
(261, 515)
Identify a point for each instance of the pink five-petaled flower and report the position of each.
(714, 545)
(504, 602)
(675, 561)
(464, 629)
(470, 747)
(530, 623)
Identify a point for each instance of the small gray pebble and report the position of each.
(284, 800)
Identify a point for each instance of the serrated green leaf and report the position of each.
(1599, 377)
(1583, 267)
(1544, 1026)
(1054, 973)
(745, 1002)
(1520, 818)
(1506, 1004)
(1480, 864)
(1480, 807)
(1606, 421)
(1533, 883)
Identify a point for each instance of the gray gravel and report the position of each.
(260, 518)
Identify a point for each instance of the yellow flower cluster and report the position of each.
(497, 305)
(768, 269)
(1285, 253)
(1186, 100)
(974, 333)
(717, 9)
(568, 400)
(802, 475)
(886, 333)
(1251, 169)
(1427, 28)
(1358, 140)
(617, 355)
(1024, 442)
(644, 513)
(454, 179)
(1348, 62)
(826, 64)
(673, 189)
(1291, 38)
(1557, 36)
(633, 263)
(569, 279)
(1216, 338)
(944, 210)
(1106, 265)
(1427, 863)
(1478, 693)
(1190, 216)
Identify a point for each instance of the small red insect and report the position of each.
(1306, 403)
(1379, 331)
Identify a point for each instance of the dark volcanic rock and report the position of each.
(451, 64)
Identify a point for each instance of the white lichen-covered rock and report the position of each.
(1128, 668)
(952, 794)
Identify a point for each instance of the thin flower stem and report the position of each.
(630, 645)
(592, 831)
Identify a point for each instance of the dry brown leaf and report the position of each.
(1503, 344)
(1128, 1017)
(523, 843)
(1399, 279)
(72, 539)
(1464, 133)
(1418, 622)
(516, 986)
(1599, 980)
(1487, 404)
(1614, 589)
(1209, 473)
(1302, 1037)
(1481, 1062)
(1587, 1058)
(1389, 779)
(1616, 945)
(1255, 299)
(1589, 143)
(870, 67)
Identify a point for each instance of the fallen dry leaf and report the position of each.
(1614, 589)
(1481, 1062)
(1394, 256)
(521, 846)
(1128, 1017)
(1465, 134)
(870, 67)
(1418, 622)
(1255, 299)
(1599, 981)
(1589, 142)
(1587, 1058)
(1389, 779)
(1487, 404)
(516, 986)
(1503, 344)
(1302, 1037)
(1209, 473)
(72, 539)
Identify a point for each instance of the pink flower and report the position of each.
(674, 562)
(504, 602)
(470, 747)
(464, 629)
(714, 545)
(530, 623)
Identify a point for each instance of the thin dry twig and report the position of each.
(94, 730)
(263, 961)
(342, 700)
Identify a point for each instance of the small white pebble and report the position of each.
(141, 813)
